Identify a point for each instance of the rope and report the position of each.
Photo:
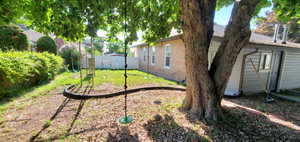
(125, 57)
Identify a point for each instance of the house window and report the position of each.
(153, 56)
(144, 54)
(167, 63)
(265, 61)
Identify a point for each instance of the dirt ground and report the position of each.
(157, 117)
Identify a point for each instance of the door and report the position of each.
(274, 74)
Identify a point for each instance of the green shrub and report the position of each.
(46, 43)
(71, 57)
(12, 38)
(24, 69)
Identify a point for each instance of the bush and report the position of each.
(24, 69)
(12, 38)
(71, 57)
(46, 43)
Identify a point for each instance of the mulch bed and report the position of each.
(157, 118)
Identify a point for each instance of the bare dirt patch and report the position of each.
(157, 118)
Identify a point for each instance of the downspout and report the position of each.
(243, 69)
(148, 58)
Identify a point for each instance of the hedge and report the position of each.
(46, 43)
(19, 70)
(12, 38)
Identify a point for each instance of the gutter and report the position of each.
(243, 69)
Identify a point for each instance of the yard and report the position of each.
(44, 114)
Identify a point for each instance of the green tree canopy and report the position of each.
(12, 10)
(287, 10)
(73, 19)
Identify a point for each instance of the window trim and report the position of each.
(153, 55)
(262, 61)
(168, 46)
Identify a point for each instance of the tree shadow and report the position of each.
(79, 109)
(241, 124)
(122, 135)
(285, 110)
(18, 92)
(61, 136)
(59, 109)
(166, 129)
(80, 106)
(47, 125)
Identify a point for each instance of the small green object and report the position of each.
(126, 119)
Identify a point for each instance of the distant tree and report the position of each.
(46, 43)
(265, 26)
(12, 38)
(71, 57)
(98, 44)
(88, 49)
(115, 47)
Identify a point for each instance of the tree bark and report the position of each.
(205, 87)
(198, 16)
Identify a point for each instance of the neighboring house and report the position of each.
(59, 42)
(32, 35)
(277, 65)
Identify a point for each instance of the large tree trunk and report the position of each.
(205, 87)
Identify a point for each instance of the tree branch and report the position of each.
(237, 35)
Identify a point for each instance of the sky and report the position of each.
(222, 16)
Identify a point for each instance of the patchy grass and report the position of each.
(135, 78)
(60, 80)
(115, 77)
(47, 123)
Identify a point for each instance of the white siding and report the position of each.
(251, 81)
(234, 80)
(233, 84)
(290, 77)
